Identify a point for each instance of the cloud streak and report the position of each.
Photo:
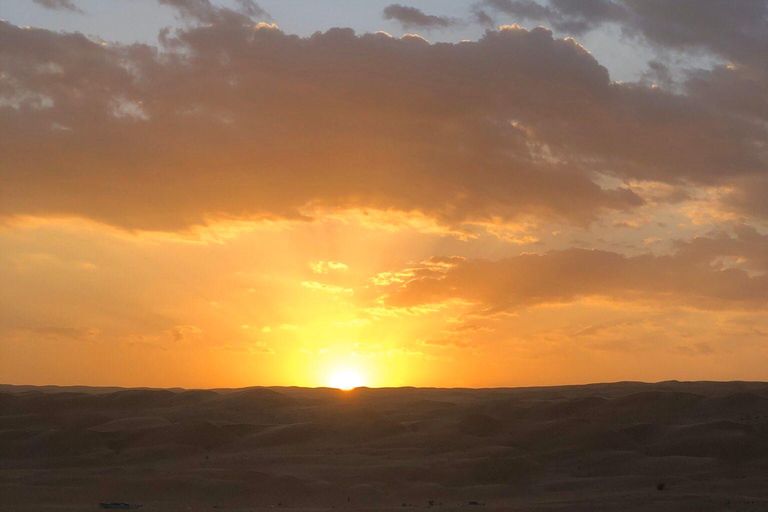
(411, 17)
(59, 5)
(693, 276)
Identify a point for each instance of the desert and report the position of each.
(670, 446)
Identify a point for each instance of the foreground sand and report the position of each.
(579, 448)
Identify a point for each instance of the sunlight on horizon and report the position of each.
(346, 380)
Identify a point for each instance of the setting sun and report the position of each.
(346, 380)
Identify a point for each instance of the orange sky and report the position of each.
(236, 205)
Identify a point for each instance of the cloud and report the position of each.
(482, 17)
(572, 16)
(421, 143)
(748, 197)
(735, 30)
(693, 276)
(185, 333)
(411, 17)
(627, 223)
(58, 5)
(206, 12)
(326, 267)
(329, 288)
(443, 261)
(732, 31)
(743, 245)
(231, 120)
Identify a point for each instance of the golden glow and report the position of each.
(188, 328)
(346, 380)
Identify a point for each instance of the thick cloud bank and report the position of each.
(230, 118)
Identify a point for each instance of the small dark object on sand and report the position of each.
(661, 486)
(119, 506)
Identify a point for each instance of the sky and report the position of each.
(443, 193)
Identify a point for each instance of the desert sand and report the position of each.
(670, 446)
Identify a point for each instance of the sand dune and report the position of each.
(596, 447)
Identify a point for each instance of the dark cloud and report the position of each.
(733, 29)
(482, 17)
(658, 73)
(572, 16)
(411, 17)
(749, 197)
(58, 5)
(736, 31)
(736, 88)
(252, 9)
(744, 245)
(206, 12)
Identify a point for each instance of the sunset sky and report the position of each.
(435, 193)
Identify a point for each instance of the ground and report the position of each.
(576, 448)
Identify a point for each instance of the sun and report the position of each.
(346, 380)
